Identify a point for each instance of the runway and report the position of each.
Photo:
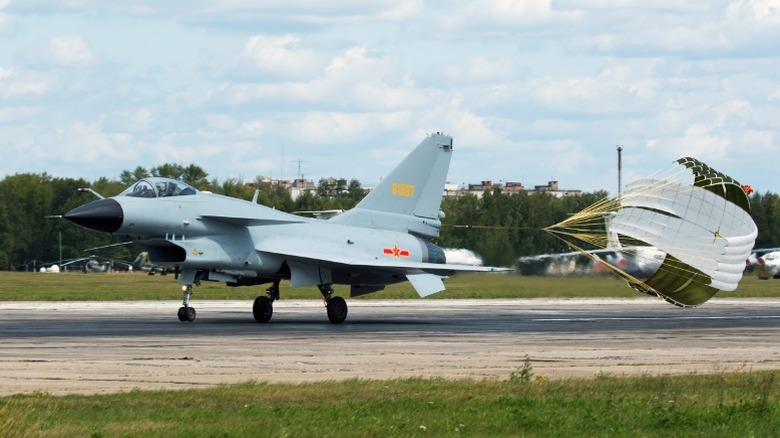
(100, 347)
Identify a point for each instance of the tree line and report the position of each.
(499, 226)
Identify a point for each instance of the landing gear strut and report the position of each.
(186, 313)
(336, 306)
(263, 308)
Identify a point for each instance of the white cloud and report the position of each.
(5, 23)
(346, 128)
(675, 39)
(481, 69)
(5, 19)
(472, 130)
(632, 28)
(221, 122)
(85, 143)
(15, 85)
(618, 88)
(760, 11)
(142, 117)
(353, 79)
(484, 13)
(734, 114)
(491, 17)
(279, 56)
(703, 140)
(228, 13)
(720, 132)
(253, 126)
(403, 10)
(511, 11)
(78, 150)
(18, 113)
(61, 51)
(761, 143)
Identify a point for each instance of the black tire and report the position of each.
(190, 313)
(337, 310)
(182, 314)
(263, 309)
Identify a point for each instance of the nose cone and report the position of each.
(104, 215)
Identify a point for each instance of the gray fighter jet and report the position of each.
(383, 240)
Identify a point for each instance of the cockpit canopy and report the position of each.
(157, 187)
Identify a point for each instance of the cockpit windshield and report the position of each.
(159, 187)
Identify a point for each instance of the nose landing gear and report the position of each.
(186, 313)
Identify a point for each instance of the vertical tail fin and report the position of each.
(416, 185)
(409, 198)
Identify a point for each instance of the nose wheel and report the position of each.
(186, 313)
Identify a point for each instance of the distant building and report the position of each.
(296, 187)
(300, 186)
(551, 188)
(452, 190)
(513, 187)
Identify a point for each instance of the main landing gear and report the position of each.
(263, 308)
(186, 313)
(336, 306)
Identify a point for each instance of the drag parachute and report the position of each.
(697, 218)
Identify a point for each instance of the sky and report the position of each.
(531, 90)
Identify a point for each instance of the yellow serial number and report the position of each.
(405, 190)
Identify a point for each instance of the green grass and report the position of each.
(33, 286)
(745, 404)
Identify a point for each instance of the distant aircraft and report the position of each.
(142, 263)
(94, 263)
(382, 241)
(639, 261)
(766, 262)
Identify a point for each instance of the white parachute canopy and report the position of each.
(696, 216)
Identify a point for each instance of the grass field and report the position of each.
(34, 286)
(724, 405)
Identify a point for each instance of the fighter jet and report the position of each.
(208, 237)
(766, 263)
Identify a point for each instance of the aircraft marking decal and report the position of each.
(403, 190)
(396, 252)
